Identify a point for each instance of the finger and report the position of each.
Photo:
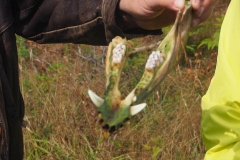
(196, 4)
(163, 20)
(168, 4)
(175, 5)
(204, 16)
(200, 6)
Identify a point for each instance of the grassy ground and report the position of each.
(63, 121)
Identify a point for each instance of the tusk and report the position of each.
(137, 108)
(98, 101)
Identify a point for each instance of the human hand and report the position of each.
(155, 14)
(202, 10)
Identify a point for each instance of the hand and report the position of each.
(202, 10)
(155, 14)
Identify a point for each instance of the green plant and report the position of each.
(212, 42)
(22, 49)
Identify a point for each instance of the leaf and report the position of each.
(147, 147)
(117, 143)
(191, 47)
(205, 42)
(156, 150)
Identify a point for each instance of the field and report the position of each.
(63, 122)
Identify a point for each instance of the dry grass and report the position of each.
(63, 122)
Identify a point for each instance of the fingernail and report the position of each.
(200, 11)
(197, 3)
(179, 4)
(195, 22)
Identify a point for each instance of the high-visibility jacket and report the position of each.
(220, 124)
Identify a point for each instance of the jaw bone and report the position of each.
(113, 109)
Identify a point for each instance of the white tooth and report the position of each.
(151, 61)
(98, 101)
(122, 53)
(137, 108)
(134, 99)
(115, 50)
(147, 65)
(124, 47)
(114, 60)
(154, 53)
(161, 59)
(151, 66)
(151, 56)
(119, 58)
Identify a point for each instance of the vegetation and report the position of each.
(62, 121)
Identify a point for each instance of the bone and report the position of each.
(98, 101)
(137, 108)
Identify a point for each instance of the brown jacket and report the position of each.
(76, 21)
(47, 21)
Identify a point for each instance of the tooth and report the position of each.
(157, 63)
(162, 59)
(137, 108)
(115, 59)
(124, 47)
(151, 56)
(147, 65)
(122, 52)
(98, 101)
(134, 99)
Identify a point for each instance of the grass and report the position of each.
(63, 121)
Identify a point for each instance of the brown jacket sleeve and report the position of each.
(77, 21)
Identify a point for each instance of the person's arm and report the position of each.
(97, 22)
(76, 21)
(155, 14)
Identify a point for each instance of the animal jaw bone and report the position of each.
(113, 109)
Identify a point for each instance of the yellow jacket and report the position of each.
(221, 104)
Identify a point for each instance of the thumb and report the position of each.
(178, 4)
(175, 5)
